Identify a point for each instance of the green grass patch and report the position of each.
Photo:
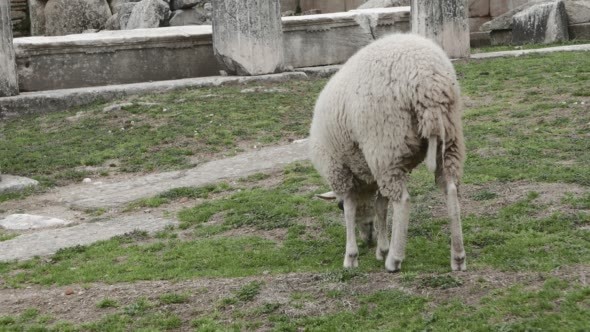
(158, 132)
(499, 48)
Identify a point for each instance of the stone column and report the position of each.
(444, 21)
(248, 36)
(8, 78)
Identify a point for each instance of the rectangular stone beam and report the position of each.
(444, 21)
(8, 76)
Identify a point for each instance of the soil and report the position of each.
(77, 303)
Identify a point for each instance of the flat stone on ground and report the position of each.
(12, 183)
(29, 221)
(50, 241)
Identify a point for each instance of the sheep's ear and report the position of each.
(329, 196)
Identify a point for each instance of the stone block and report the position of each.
(248, 36)
(479, 8)
(8, 74)
(384, 4)
(37, 17)
(541, 23)
(24, 222)
(445, 22)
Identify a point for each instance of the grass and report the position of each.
(524, 123)
(527, 46)
(158, 132)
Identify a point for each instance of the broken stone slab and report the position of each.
(542, 23)
(184, 4)
(192, 16)
(116, 4)
(121, 18)
(21, 222)
(64, 17)
(578, 11)
(11, 183)
(248, 36)
(148, 14)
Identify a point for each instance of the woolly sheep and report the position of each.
(393, 104)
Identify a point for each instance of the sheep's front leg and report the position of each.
(381, 227)
(457, 250)
(352, 251)
(399, 232)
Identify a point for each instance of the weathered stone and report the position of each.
(148, 14)
(476, 22)
(500, 7)
(247, 36)
(8, 75)
(183, 4)
(445, 22)
(479, 8)
(578, 11)
(121, 18)
(384, 4)
(28, 221)
(116, 4)
(504, 21)
(63, 17)
(11, 183)
(193, 16)
(542, 23)
(37, 17)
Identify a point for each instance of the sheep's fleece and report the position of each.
(375, 118)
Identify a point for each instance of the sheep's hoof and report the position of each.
(380, 254)
(458, 263)
(351, 260)
(393, 265)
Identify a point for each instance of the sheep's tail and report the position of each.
(433, 145)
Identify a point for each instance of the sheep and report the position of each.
(392, 105)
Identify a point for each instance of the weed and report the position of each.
(107, 303)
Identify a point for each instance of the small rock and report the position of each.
(69, 291)
(87, 180)
(11, 183)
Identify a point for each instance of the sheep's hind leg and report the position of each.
(457, 250)
(381, 227)
(399, 232)
(352, 252)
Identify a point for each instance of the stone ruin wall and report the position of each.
(480, 11)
